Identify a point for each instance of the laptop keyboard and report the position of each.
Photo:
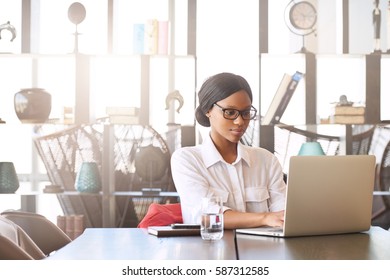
(272, 229)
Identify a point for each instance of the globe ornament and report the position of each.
(151, 163)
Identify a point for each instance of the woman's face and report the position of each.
(231, 130)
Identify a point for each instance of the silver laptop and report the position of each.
(326, 195)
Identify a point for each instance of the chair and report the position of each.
(162, 215)
(384, 173)
(384, 182)
(289, 139)
(15, 244)
(62, 153)
(45, 234)
(381, 204)
(362, 136)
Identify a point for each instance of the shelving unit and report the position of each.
(144, 77)
(363, 81)
(83, 83)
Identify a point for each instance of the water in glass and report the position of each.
(212, 219)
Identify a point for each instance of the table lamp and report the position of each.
(311, 149)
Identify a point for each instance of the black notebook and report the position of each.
(164, 231)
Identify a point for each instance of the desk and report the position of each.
(371, 245)
(137, 244)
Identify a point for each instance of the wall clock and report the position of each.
(301, 18)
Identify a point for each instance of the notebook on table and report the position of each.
(326, 195)
(165, 231)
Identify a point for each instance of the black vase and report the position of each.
(32, 105)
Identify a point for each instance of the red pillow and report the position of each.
(162, 215)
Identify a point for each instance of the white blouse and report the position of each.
(253, 183)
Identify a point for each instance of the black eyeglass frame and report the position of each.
(237, 112)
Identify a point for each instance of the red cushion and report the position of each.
(162, 215)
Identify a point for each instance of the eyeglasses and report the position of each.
(232, 114)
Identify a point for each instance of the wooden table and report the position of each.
(371, 245)
(137, 244)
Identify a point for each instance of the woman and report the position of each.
(249, 179)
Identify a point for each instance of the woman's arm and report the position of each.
(189, 182)
(233, 219)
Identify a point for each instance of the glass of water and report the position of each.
(211, 226)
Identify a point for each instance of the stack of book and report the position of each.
(123, 115)
(72, 225)
(348, 114)
(151, 37)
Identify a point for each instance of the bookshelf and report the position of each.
(324, 86)
(79, 80)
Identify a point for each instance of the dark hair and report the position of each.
(216, 88)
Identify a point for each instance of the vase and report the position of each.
(88, 178)
(32, 105)
(9, 182)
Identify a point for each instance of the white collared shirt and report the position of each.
(253, 183)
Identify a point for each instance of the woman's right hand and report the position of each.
(233, 219)
(275, 219)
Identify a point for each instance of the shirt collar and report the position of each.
(211, 155)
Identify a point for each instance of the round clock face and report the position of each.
(303, 15)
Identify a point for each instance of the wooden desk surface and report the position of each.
(137, 244)
(371, 245)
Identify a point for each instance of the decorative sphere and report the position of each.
(76, 13)
(151, 163)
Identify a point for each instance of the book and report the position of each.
(138, 38)
(281, 98)
(122, 111)
(79, 226)
(61, 222)
(347, 119)
(348, 110)
(53, 189)
(165, 231)
(163, 30)
(72, 225)
(69, 226)
(151, 37)
(123, 119)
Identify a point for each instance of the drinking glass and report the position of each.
(211, 226)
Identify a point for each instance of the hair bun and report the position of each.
(202, 119)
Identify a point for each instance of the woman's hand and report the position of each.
(233, 219)
(274, 219)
